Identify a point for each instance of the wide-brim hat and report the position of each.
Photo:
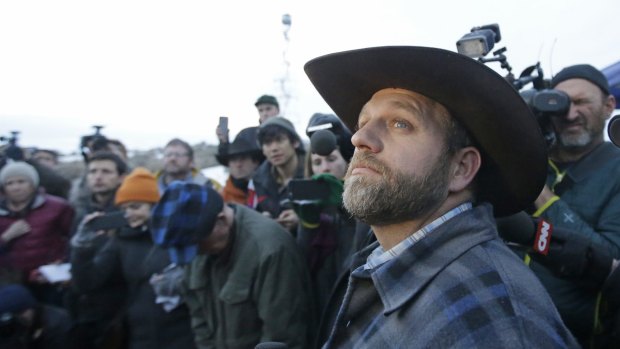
(514, 156)
(245, 143)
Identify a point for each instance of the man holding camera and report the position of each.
(436, 157)
(268, 188)
(582, 192)
(94, 310)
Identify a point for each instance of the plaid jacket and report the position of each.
(459, 287)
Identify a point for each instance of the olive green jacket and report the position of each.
(256, 291)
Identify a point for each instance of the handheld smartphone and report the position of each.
(308, 189)
(113, 220)
(223, 125)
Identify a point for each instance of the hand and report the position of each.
(84, 236)
(288, 219)
(336, 187)
(545, 195)
(16, 230)
(37, 277)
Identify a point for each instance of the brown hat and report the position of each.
(139, 185)
(514, 154)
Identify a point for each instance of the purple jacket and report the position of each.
(50, 220)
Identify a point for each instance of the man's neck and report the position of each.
(562, 154)
(170, 177)
(286, 171)
(102, 199)
(391, 235)
(17, 206)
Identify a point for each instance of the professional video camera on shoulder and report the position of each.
(542, 100)
(93, 142)
(11, 150)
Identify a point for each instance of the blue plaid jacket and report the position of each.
(459, 287)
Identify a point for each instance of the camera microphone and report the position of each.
(323, 142)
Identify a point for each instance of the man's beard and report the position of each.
(575, 141)
(586, 136)
(396, 197)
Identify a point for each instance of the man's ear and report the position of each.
(465, 165)
(609, 105)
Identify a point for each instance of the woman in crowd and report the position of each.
(34, 230)
(131, 254)
(326, 233)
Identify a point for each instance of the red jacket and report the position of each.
(50, 220)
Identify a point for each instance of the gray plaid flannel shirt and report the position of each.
(459, 287)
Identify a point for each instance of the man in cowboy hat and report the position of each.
(242, 158)
(443, 144)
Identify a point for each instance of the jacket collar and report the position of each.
(38, 201)
(402, 278)
(593, 161)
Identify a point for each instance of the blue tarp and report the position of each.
(612, 73)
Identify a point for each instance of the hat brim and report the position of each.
(513, 149)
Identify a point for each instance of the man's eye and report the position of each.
(401, 124)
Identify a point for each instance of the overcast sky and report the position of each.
(153, 70)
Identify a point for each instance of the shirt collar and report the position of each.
(379, 256)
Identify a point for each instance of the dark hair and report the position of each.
(48, 151)
(118, 144)
(456, 136)
(182, 143)
(102, 155)
(270, 133)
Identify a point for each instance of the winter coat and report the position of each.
(328, 249)
(458, 287)
(266, 195)
(256, 291)
(233, 194)
(132, 256)
(50, 219)
(589, 204)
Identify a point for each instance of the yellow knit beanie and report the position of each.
(140, 185)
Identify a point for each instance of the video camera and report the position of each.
(12, 150)
(543, 101)
(92, 143)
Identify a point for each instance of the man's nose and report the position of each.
(368, 137)
(573, 113)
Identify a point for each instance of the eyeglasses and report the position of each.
(175, 155)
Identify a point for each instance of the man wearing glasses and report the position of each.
(179, 166)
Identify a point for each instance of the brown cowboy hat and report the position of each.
(514, 156)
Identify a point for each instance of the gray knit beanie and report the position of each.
(19, 168)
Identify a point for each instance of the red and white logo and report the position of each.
(543, 237)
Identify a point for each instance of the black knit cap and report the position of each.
(280, 122)
(267, 99)
(582, 71)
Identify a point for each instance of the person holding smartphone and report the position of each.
(131, 256)
(326, 232)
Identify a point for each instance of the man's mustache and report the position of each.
(368, 160)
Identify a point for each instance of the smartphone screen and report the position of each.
(113, 220)
(308, 189)
(223, 123)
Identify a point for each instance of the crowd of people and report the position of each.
(422, 228)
